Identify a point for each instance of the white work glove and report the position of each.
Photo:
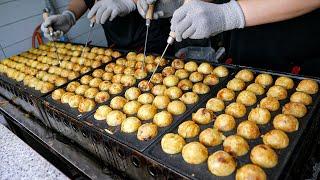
(197, 19)
(61, 24)
(163, 8)
(110, 9)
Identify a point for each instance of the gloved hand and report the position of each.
(61, 24)
(197, 19)
(163, 8)
(109, 9)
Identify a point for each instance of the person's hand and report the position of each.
(61, 24)
(163, 8)
(110, 9)
(197, 19)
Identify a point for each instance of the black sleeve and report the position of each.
(89, 3)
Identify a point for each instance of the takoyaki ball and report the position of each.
(140, 73)
(116, 78)
(264, 79)
(102, 97)
(98, 73)
(168, 71)
(247, 98)
(100, 51)
(256, 88)
(236, 145)
(76, 67)
(211, 137)
(82, 89)
(91, 56)
(177, 64)
(250, 171)
(161, 102)
(130, 125)
(276, 139)
(131, 56)
(194, 153)
(102, 112)
(301, 97)
(200, 88)
(146, 98)
(147, 131)
(86, 79)
(308, 86)
(118, 69)
(236, 110)
(108, 52)
(70, 66)
(144, 85)
(185, 85)
(38, 85)
(64, 73)
(104, 85)
(270, 103)
(226, 94)
(176, 107)
(115, 88)
(47, 87)
(121, 61)
(264, 156)
(109, 67)
(163, 119)
(205, 68)
(203, 116)
(277, 92)
(188, 129)
(171, 80)
(220, 71)
(85, 70)
(221, 163)
(140, 65)
(151, 67)
(91, 93)
(132, 93)
(245, 75)
(131, 64)
(128, 80)
(189, 98)
(211, 80)
(286, 123)
(196, 77)
(72, 86)
(146, 112)
(86, 105)
(75, 100)
(57, 94)
(149, 59)
(285, 82)
(160, 61)
(131, 107)
(259, 115)
(115, 54)
(182, 74)
(41, 74)
(224, 122)
(191, 66)
(215, 105)
(157, 78)
(297, 110)
(118, 102)
(172, 143)
(159, 90)
(173, 92)
(129, 71)
(248, 130)
(236, 84)
(115, 118)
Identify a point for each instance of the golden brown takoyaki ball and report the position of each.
(189, 98)
(85, 70)
(246, 75)
(57, 94)
(171, 80)
(185, 85)
(130, 125)
(236, 84)
(196, 77)
(106, 59)
(159, 90)
(76, 67)
(91, 93)
(128, 80)
(215, 105)
(177, 64)
(211, 137)
(116, 78)
(104, 85)
(224, 122)
(131, 56)
(82, 89)
(248, 130)
(188, 129)
(276, 139)
(149, 59)
(144, 85)
(236, 145)
(86, 79)
(176, 107)
(132, 93)
(140, 73)
(98, 73)
(250, 171)
(70, 65)
(118, 69)
(205, 68)
(168, 71)
(115, 88)
(129, 71)
(131, 107)
(194, 153)
(172, 143)
(73, 86)
(203, 116)
(64, 73)
(102, 112)
(160, 61)
(226, 94)
(286, 123)
(38, 85)
(115, 54)
(297, 110)
(256, 88)
(285, 82)
(308, 86)
(247, 98)
(173, 92)
(47, 87)
(200, 88)
(264, 79)
(211, 80)
(146, 112)
(102, 97)
(301, 97)
(182, 74)
(86, 105)
(147, 131)
(146, 98)
(161, 101)
(121, 61)
(220, 71)
(163, 119)
(115, 118)
(108, 52)
(157, 78)
(270, 103)
(191, 66)
(151, 67)
(221, 163)
(277, 92)
(259, 115)
(75, 100)
(140, 65)
(236, 110)
(118, 102)
(109, 67)
(264, 156)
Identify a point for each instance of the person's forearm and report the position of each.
(259, 12)
(78, 7)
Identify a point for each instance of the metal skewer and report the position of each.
(149, 17)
